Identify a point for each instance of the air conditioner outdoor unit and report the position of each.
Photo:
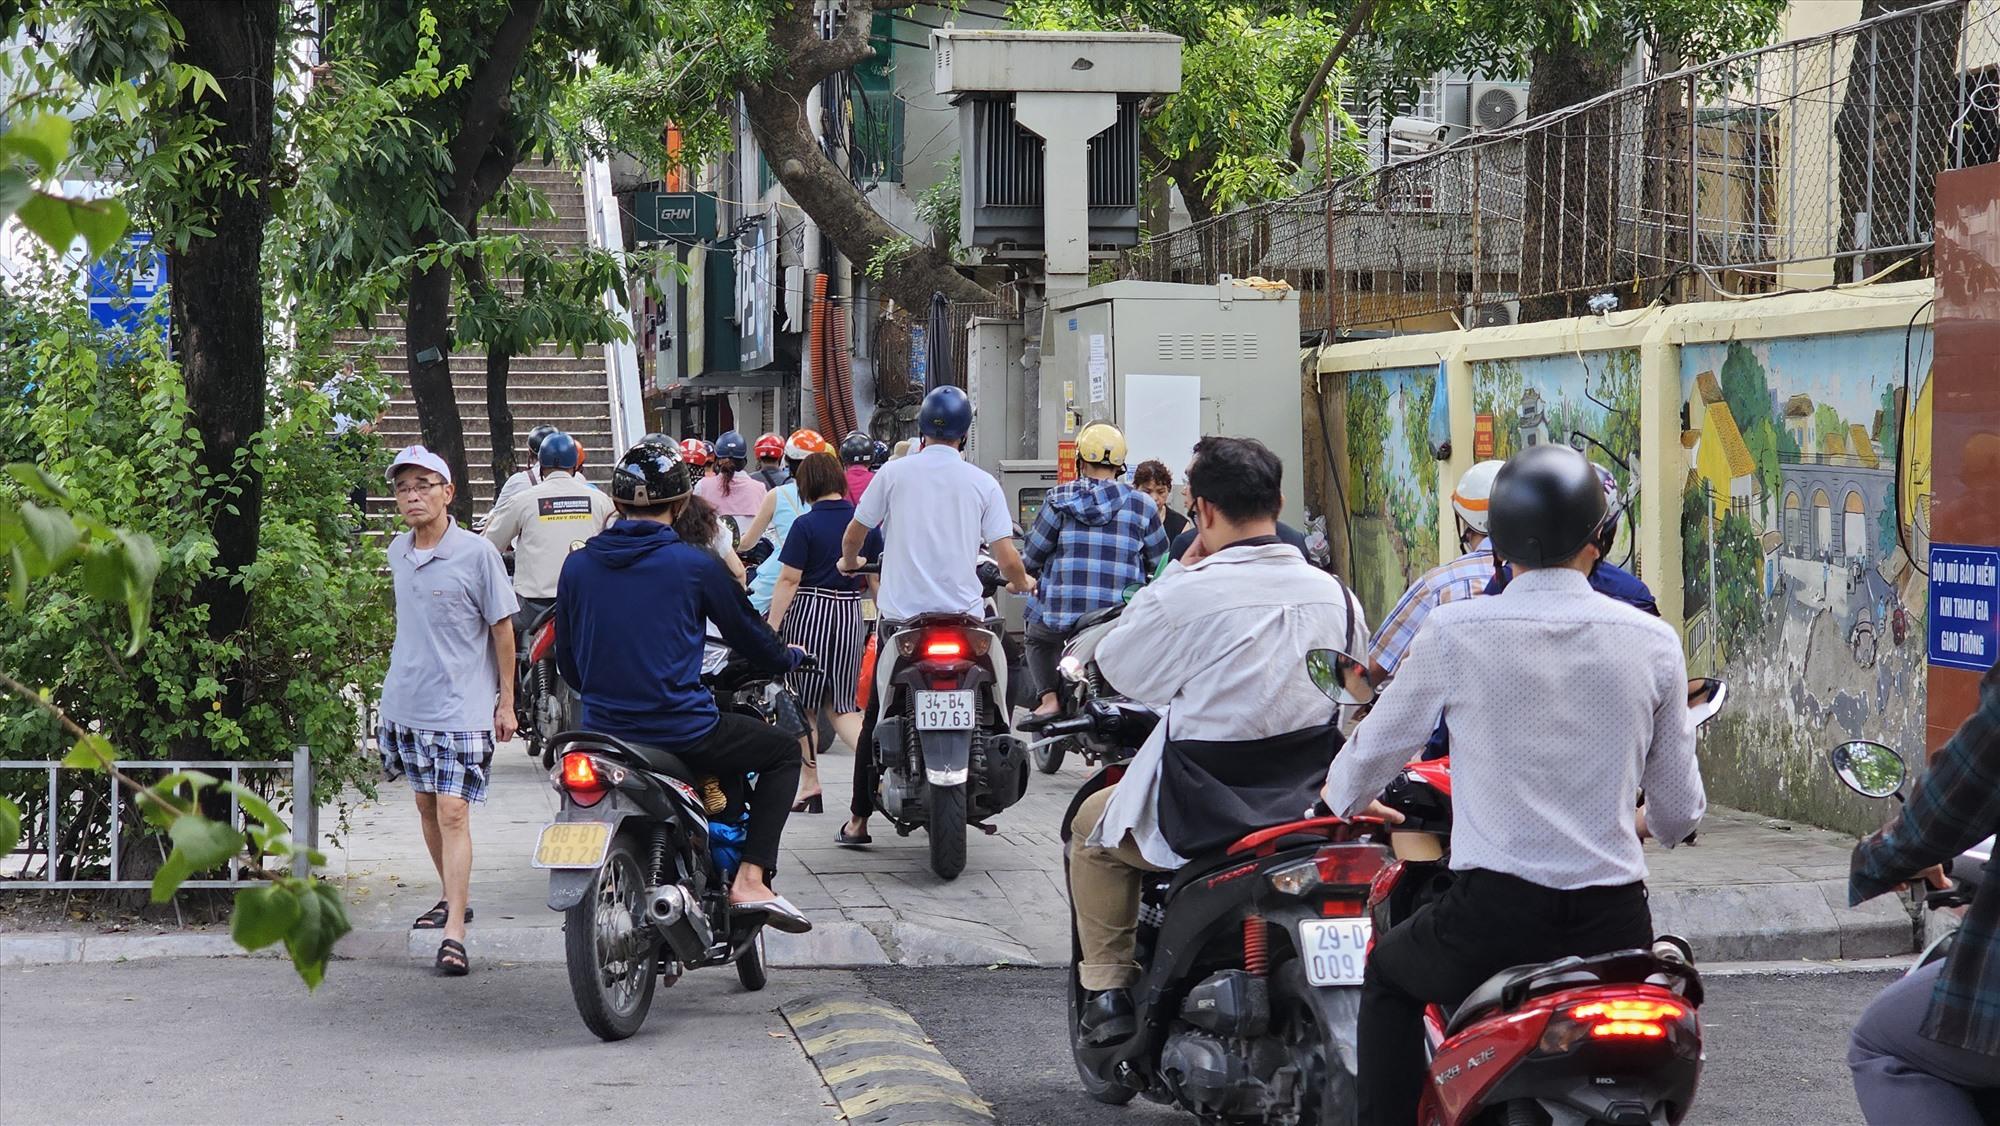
(1496, 105)
(1492, 313)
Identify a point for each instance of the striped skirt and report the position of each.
(828, 625)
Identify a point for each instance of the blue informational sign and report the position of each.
(1964, 606)
(123, 285)
(920, 357)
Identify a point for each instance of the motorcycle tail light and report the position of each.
(1338, 865)
(941, 645)
(581, 780)
(1620, 1019)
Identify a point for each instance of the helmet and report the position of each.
(856, 448)
(536, 436)
(694, 451)
(732, 445)
(650, 475)
(1607, 531)
(1469, 498)
(769, 446)
(558, 451)
(1547, 504)
(879, 456)
(946, 414)
(657, 439)
(1101, 443)
(804, 442)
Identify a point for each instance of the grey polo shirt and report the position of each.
(442, 674)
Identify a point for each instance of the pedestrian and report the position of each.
(445, 700)
(1157, 481)
(817, 608)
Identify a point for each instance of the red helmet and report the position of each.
(769, 446)
(695, 452)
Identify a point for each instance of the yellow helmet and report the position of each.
(1101, 443)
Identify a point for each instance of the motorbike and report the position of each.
(949, 757)
(544, 706)
(641, 855)
(1081, 684)
(1607, 1040)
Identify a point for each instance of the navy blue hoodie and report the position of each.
(631, 609)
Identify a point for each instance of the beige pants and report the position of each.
(1104, 886)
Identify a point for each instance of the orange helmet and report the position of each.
(695, 452)
(804, 442)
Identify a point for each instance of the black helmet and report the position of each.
(650, 475)
(856, 449)
(535, 437)
(1547, 503)
(658, 439)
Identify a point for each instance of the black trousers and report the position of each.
(741, 745)
(1045, 650)
(1486, 922)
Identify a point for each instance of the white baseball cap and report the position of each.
(422, 459)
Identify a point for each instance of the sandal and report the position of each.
(433, 919)
(451, 959)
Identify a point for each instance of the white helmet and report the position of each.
(1470, 497)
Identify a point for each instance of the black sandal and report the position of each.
(434, 919)
(451, 959)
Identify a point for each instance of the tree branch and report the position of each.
(811, 59)
(1356, 20)
(486, 95)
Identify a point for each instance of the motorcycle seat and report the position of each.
(656, 759)
(1514, 985)
(1097, 617)
(541, 617)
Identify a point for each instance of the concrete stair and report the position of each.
(545, 385)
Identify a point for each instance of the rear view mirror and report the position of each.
(1869, 769)
(1705, 697)
(1342, 678)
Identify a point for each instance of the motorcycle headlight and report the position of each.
(1071, 669)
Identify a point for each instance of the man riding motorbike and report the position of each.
(539, 523)
(1218, 647)
(770, 453)
(936, 511)
(1463, 577)
(1093, 538)
(1933, 1037)
(1606, 578)
(630, 614)
(1563, 704)
(529, 474)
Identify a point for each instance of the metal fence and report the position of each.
(84, 814)
(1800, 165)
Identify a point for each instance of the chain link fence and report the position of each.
(1798, 166)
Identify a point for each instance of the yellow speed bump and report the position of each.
(875, 1060)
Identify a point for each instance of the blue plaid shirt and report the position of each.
(1954, 806)
(1463, 577)
(1091, 540)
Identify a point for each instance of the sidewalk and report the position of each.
(1752, 890)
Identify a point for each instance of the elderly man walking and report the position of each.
(445, 699)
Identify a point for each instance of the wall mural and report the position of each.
(1588, 399)
(1393, 481)
(1806, 496)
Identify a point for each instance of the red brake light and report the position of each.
(1627, 1019)
(944, 648)
(580, 778)
(1351, 864)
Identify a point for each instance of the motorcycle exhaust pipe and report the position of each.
(667, 905)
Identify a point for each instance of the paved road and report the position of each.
(1775, 1045)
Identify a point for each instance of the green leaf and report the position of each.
(104, 574)
(256, 806)
(101, 222)
(10, 825)
(322, 920)
(37, 481)
(174, 870)
(52, 532)
(92, 752)
(264, 916)
(44, 140)
(206, 843)
(58, 221)
(48, 217)
(15, 188)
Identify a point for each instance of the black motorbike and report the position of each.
(943, 737)
(641, 856)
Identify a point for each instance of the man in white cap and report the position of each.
(445, 699)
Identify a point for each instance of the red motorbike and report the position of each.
(544, 705)
(1610, 1040)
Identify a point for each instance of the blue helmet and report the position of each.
(559, 451)
(731, 444)
(946, 414)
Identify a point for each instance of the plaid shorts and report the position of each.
(437, 762)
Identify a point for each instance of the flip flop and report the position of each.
(778, 912)
(451, 959)
(433, 919)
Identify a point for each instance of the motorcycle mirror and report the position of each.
(1342, 678)
(1869, 769)
(1705, 697)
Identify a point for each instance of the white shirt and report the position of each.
(541, 522)
(940, 510)
(1221, 646)
(522, 478)
(1562, 703)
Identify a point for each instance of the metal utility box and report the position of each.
(1005, 424)
(973, 61)
(1169, 363)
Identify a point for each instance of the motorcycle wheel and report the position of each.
(750, 968)
(1049, 756)
(947, 830)
(1323, 1055)
(612, 986)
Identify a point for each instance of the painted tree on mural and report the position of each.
(1368, 441)
(1496, 390)
(1419, 393)
(1746, 388)
(1695, 529)
(1739, 594)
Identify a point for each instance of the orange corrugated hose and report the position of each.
(816, 348)
(843, 371)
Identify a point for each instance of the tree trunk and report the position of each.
(1569, 198)
(1894, 132)
(218, 314)
(500, 414)
(427, 346)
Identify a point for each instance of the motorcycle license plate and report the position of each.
(945, 711)
(573, 844)
(1336, 950)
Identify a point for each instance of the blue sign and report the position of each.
(920, 356)
(1964, 606)
(123, 285)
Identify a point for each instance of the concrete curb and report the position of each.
(1783, 922)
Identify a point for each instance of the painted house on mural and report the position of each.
(1718, 455)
